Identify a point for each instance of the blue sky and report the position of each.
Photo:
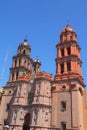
(42, 21)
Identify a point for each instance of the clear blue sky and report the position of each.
(42, 21)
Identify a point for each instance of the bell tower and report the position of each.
(21, 62)
(68, 62)
(68, 85)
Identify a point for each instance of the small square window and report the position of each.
(63, 106)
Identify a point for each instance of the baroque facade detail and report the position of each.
(34, 99)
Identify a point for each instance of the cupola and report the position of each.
(68, 34)
(24, 48)
(36, 64)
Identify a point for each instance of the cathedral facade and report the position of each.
(37, 100)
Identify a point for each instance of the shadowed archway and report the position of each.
(27, 121)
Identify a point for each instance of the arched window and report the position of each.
(16, 75)
(69, 66)
(12, 76)
(19, 62)
(62, 52)
(23, 51)
(62, 67)
(27, 120)
(68, 51)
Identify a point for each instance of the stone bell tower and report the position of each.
(21, 62)
(68, 62)
(14, 97)
(68, 84)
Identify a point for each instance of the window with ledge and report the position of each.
(63, 105)
(68, 66)
(62, 67)
(68, 51)
(63, 125)
(62, 52)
